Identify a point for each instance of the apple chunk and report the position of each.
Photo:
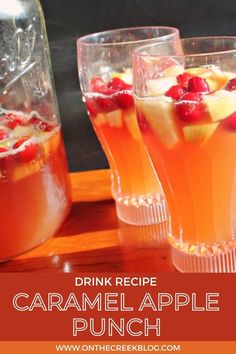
(221, 104)
(126, 76)
(173, 70)
(161, 85)
(199, 133)
(114, 118)
(131, 123)
(160, 116)
(22, 171)
(203, 72)
(100, 119)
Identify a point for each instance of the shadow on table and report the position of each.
(123, 249)
(89, 217)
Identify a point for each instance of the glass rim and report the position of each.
(82, 41)
(137, 52)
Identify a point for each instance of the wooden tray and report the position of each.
(93, 239)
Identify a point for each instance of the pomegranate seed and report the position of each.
(30, 151)
(231, 85)
(3, 134)
(3, 149)
(190, 108)
(198, 84)
(230, 122)
(175, 92)
(142, 122)
(125, 100)
(118, 84)
(97, 84)
(184, 78)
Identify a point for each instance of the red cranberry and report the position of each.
(118, 84)
(3, 134)
(231, 85)
(108, 91)
(106, 104)
(46, 127)
(175, 92)
(3, 149)
(110, 103)
(191, 107)
(97, 84)
(12, 120)
(230, 122)
(198, 84)
(19, 143)
(34, 120)
(13, 123)
(125, 100)
(184, 78)
(92, 106)
(29, 152)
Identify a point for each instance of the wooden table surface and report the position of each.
(93, 240)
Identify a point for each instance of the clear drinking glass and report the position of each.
(104, 62)
(34, 183)
(187, 114)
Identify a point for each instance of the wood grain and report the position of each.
(93, 240)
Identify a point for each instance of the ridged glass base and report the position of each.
(142, 210)
(145, 236)
(217, 258)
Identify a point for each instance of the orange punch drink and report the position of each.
(104, 62)
(187, 116)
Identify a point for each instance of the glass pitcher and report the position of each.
(34, 180)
